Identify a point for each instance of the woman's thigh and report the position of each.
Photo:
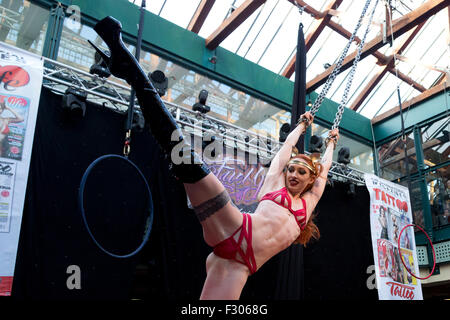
(225, 279)
(203, 190)
(214, 209)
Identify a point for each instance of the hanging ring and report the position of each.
(401, 257)
(149, 222)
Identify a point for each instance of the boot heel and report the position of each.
(102, 54)
(121, 62)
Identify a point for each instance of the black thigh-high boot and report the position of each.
(122, 64)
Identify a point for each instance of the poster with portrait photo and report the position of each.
(13, 123)
(390, 213)
(384, 257)
(408, 259)
(394, 225)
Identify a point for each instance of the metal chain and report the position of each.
(338, 65)
(344, 99)
(126, 145)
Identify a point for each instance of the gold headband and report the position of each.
(302, 163)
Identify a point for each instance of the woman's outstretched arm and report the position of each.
(284, 154)
(313, 196)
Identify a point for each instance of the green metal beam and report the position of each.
(54, 32)
(441, 234)
(426, 209)
(427, 111)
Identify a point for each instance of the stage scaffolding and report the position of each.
(111, 94)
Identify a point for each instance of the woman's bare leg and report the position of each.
(214, 209)
(225, 279)
(219, 218)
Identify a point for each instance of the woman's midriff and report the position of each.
(274, 229)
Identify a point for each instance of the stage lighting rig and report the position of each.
(315, 144)
(159, 81)
(201, 106)
(74, 103)
(284, 132)
(344, 155)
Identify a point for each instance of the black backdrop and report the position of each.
(172, 264)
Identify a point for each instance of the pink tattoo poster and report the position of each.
(390, 212)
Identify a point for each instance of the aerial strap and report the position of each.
(299, 99)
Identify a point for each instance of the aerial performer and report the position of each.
(241, 242)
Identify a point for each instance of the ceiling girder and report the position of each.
(231, 23)
(399, 27)
(200, 15)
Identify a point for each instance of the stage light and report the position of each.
(74, 103)
(160, 81)
(344, 155)
(201, 106)
(315, 144)
(99, 67)
(284, 132)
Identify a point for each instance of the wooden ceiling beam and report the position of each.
(411, 152)
(232, 22)
(200, 15)
(316, 14)
(408, 80)
(399, 27)
(442, 78)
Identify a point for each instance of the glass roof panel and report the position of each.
(218, 13)
(269, 37)
(186, 7)
(281, 43)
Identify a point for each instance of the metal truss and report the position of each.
(115, 94)
(342, 172)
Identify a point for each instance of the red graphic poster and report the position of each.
(21, 75)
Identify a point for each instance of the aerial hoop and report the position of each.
(401, 257)
(149, 221)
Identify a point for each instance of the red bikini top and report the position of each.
(281, 197)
